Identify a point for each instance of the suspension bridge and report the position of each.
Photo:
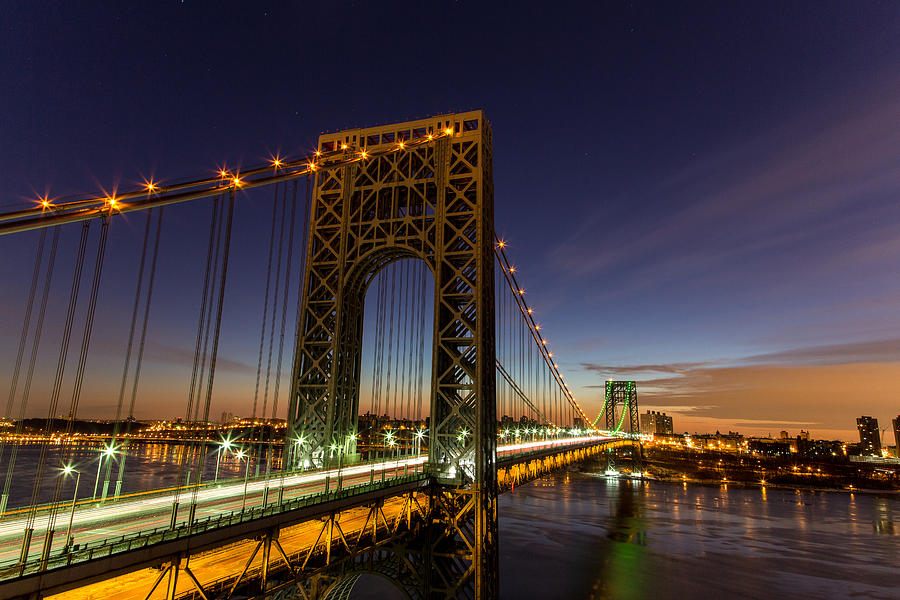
(419, 384)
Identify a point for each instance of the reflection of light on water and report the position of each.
(694, 533)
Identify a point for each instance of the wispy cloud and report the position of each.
(880, 351)
(674, 368)
(793, 189)
(164, 353)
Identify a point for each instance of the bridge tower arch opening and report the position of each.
(431, 198)
(395, 363)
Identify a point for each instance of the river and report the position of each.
(576, 535)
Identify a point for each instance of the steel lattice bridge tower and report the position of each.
(434, 203)
(419, 190)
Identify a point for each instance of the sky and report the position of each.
(699, 196)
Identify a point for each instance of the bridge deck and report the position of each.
(143, 539)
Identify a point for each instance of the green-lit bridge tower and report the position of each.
(622, 394)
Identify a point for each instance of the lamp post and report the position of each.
(389, 440)
(224, 446)
(420, 435)
(392, 443)
(108, 452)
(66, 471)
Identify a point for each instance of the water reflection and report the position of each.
(147, 465)
(580, 536)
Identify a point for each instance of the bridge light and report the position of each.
(448, 131)
(530, 310)
(318, 153)
(501, 243)
(430, 137)
(521, 292)
(240, 455)
(45, 202)
(237, 181)
(151, 187)
(343, 146)
(276, 162)
(538, 327)
(223, 173)
(112, 202)
(312, 166)
(401, 145)
(544, 342)
(69, 469)
(511, 269)
(364, 154)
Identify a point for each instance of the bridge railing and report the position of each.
(142, 539)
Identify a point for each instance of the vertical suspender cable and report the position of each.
(134, 316)
(23, 338)
(284, 305)
(215, 344)
(262, 336)
(32, 361)
(141, 345)
(26, 323)
(79, 371)
(271, 341)
(184, 467)
(54, 394)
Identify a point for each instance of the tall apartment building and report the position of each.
(656, 422)
(869, 436)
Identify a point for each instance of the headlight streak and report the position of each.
(140, 511)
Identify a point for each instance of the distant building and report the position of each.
(896, 424)
(869, 436)
(768, 447)
(653, 422)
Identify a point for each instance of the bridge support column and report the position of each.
(266, 557)
(173, 577)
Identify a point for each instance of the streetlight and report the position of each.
(420, 435)
(66, 471)
(393, 443)
(108, 452)
(389, 440)
(224, 446)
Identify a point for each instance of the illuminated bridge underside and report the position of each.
(317, 551)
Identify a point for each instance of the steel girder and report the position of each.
(433, 202)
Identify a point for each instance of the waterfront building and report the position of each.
(653, 422)
(869, 436)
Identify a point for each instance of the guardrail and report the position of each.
(142, 539)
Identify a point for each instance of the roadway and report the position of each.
(95, 522)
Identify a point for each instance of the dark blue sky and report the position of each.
(702, 196)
